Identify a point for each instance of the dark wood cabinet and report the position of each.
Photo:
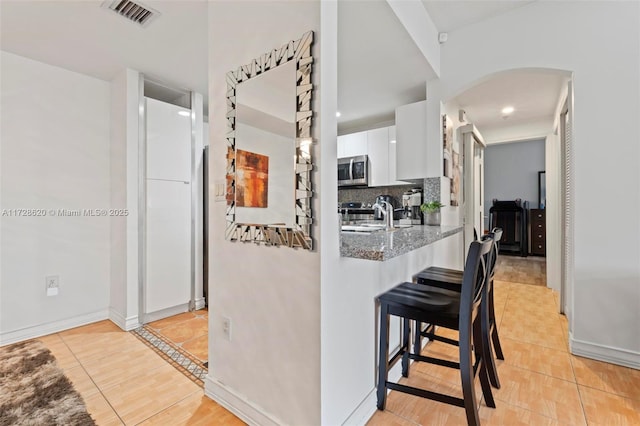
(538, 230)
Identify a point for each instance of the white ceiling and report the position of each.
(533, 94)
(379, 66)
(83, 37)
(448, 15)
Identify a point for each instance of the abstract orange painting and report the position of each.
(252, 179)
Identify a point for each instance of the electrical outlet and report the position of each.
(53, 284)
(226, 327)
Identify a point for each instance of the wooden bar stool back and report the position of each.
(451, 279)
(461, 311)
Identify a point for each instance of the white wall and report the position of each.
(416, 20)
(55, 155)
(350, 286)
(124, 156)
(511, 171)
(270, 370)
(599, 42)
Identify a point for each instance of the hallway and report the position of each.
(542, 383)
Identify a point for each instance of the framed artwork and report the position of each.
(455, 179)
(447, 146)
(252, 179)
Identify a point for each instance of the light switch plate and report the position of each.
(219, 189)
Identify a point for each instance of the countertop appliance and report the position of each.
(353, 171)
(411, 202)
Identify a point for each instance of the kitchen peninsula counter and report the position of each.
(385, 245)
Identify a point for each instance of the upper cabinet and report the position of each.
(352, 144)
(378, 151)
(379, 145)
(411, 141)
(393, 175)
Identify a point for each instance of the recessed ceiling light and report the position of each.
(508, 110)
(338, 114)
(393, 141)
(184, 113)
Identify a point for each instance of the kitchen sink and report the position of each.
(363, 228)
(370, 227)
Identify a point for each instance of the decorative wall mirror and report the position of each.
(269, 147)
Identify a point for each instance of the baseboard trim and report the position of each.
(199, 303)
(127, 324)
(27, 333)
(167, 312)
(367, 408)
(238, 404)
(604, 353)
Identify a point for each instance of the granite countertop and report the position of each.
(384, 245)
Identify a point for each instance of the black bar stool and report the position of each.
(451, 280)
(461, 312)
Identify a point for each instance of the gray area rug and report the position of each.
(34, 391)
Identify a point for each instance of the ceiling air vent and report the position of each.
(134, 12)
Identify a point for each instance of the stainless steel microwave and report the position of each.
(353, 171)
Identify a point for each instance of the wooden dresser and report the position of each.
(538, 232)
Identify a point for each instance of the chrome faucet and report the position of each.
(387, 213)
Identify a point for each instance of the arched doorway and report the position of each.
(542, 99)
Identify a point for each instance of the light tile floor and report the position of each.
(188, 331)
(124, 382)
(542, 383)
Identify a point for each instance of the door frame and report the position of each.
(196, 251)
(473, 146)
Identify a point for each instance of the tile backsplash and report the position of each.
(431, 190)
(368, 195)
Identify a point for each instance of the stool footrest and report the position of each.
(438, 361)
(432, 336)
(447, 399)
(397, 356)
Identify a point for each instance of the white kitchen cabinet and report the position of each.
(352, 144)
(377, 144)
(378, 152)
(411, 141)
(393, 158)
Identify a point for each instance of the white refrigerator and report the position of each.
(167, 288)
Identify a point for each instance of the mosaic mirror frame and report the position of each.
(298, 236)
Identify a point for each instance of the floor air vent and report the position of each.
(134, 12)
